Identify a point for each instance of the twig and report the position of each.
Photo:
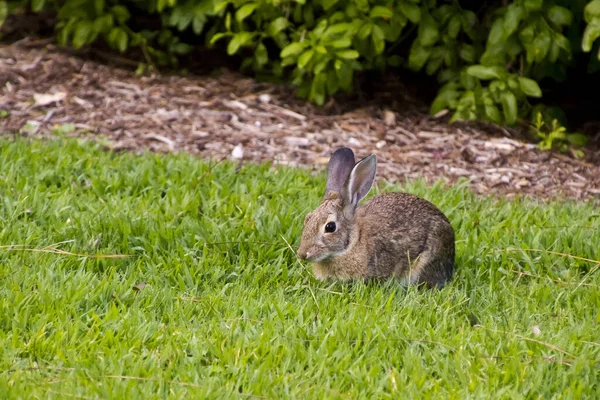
(210, 168)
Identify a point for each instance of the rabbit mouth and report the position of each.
(314, 256)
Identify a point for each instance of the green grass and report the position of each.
(228, 312)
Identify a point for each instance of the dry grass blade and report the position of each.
(513, 249)
(21, 247)
(178, 383)
(139, 378)
(63, 394)
(546, 344)
(241, 242)
(521, 273)
(592, 343)
(288, 245)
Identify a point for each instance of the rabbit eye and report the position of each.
(330, 227)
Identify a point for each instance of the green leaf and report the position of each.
(305, 58)
(428, 31)
(37, 5)
(245, 11)
(83, 31)
(261, 56)
(3, 13)
(559, 15)
(180, 48)
(341, 43)
(99, 7)
(180, 18)
(469, 20)
(333, 84)
(317, 90)
(378, 39)
(394, 61)
(467, 53)
(321, 66)
(434, 63)
(493, 113)
(277, 25)
(482, 72)
(381, 12)
(220, 6)
(321, 49)
(496, 32)
(446, 98)
(347, 54)
(578, 139)
(327, 4)
(228, 22)
(198, 24)
(533, 5)
(512, 19)
(542, 45)
(218, 36)
(337, 29)
(509, 107)
(530, 87)
(591, 33)
(121, 40)
(121, 14)
(411, 10)
(454, 26)
(345, 76)
(592, 10)
(365, 30)
(104, 23)
(418, 56)
(292, 49)
(238, 40)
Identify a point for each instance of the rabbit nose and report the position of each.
(303, 255)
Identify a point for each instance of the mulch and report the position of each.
(228, 115)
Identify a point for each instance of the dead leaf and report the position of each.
(238, 152)
(42, 99)
(297, 141)
(389, 118)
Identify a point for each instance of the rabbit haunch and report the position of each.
(392, 235)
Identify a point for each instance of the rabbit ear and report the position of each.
(360, 180)
(338, 169)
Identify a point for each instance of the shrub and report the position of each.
(487, 57)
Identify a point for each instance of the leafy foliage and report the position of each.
(555, 135)
(489, 59)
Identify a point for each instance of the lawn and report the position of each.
(212, 303)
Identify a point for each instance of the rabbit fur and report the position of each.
(392, 235)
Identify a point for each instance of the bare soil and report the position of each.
(228, 115)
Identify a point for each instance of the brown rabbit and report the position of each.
(391, 235)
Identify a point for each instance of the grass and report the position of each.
(211, 302)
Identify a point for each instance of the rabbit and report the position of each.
(392, 235)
